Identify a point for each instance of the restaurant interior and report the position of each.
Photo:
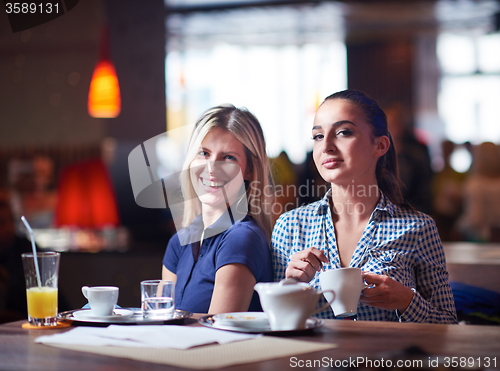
(434, 66)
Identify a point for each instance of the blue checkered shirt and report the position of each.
(401, 243)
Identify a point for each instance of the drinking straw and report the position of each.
(34, 250)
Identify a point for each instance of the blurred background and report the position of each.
(434, 66)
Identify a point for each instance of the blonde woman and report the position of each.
(223, 249)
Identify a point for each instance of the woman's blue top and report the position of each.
(244, 242)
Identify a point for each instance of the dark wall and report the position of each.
(382, 69)
(125, 270)
(137, 38)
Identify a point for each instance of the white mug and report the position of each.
(102, 299)
(347, 284)
(289, 305)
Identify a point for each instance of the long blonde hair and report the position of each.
(246, 128)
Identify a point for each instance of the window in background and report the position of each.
(279, 62)
(470, 86)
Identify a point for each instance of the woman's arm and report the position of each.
(167, 275)
(433, 301)
(233, 289)
(429, 299)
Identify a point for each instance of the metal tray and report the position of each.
(137, 318)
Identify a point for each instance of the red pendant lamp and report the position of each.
(104, 93)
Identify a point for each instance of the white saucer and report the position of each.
(244, 325)
(119, 314)
(242, 319)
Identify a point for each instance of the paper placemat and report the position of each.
(211, 356)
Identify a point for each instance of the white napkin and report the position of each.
(178, 337)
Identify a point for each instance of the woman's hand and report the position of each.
(386, 293)
(304, 264)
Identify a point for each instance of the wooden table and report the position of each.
(371, 340)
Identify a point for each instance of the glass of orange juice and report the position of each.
(41, 272)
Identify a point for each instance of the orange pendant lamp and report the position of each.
(86, 198)
(104, 93)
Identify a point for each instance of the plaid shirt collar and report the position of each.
(383, 204)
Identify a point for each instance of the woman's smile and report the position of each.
(212, 185)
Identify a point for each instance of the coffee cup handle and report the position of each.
(327, 304)
(365, 285)
(84, 291)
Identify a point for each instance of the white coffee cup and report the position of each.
(289, 305)
(347, 283)
(102, 299)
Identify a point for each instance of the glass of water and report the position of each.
(157, 299)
